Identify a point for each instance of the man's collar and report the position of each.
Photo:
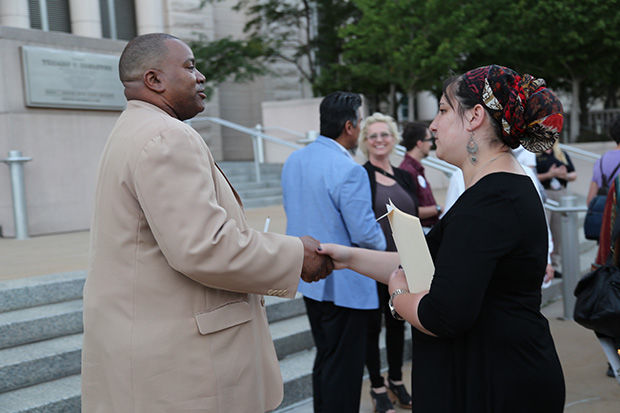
(338, 145)
(414, 162)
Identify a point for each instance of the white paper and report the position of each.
(412, 249)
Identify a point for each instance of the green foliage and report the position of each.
(412, 44)
(370, 46)
(226, 58)
(303, 33)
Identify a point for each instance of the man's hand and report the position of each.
(315, 266)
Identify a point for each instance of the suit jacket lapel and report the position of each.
(237, 197)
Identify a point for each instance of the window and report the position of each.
(118, 19)
(50, 15)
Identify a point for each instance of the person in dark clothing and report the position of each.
(418, 141)
(481, 343)
(554, 170)
(377, 140)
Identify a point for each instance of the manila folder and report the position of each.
(412, 249)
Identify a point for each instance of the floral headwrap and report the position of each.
(528, 113)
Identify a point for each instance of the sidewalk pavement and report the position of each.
(588, 389)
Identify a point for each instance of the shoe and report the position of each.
(399, 394)
(610, 372)
(381, 401)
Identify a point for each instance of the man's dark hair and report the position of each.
(141, 54)
(336, 109)
(412, 133)
(614, 130)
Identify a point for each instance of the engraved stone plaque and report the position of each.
(69, 79)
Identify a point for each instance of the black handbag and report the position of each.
(594, 216)
(598, 300)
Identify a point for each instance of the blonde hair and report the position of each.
(558, 153)
(374, 118)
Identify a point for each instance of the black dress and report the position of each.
(494, 352)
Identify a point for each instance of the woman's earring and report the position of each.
(472, 149)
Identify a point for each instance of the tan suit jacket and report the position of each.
(174, 319)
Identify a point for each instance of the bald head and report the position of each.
(142, 53)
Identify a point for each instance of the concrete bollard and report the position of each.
(570, 255)
(16, 167)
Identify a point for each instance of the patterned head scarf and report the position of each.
(528, 113)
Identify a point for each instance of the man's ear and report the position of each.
(153, 79)
(349, 128)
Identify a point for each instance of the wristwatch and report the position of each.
(438, 209)
(396, 292)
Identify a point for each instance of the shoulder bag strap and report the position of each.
(614, 171)
(603, 179)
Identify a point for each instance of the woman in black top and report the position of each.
(555, 169)
(378, 137)
(481, 343)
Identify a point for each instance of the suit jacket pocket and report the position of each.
(223, 317)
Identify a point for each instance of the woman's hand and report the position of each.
(340, 254)
(549, 274)
(397, 280)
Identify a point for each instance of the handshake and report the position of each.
(315, 266)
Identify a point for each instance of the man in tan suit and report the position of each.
(174, 319)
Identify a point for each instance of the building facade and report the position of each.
(66, 142)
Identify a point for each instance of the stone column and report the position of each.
(85, 18)
(14, 13)
(149, 16)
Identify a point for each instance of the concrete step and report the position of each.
(40, 362)
(244, 178)
(291, 335)
(40, 323)
(296, 371)
(262, 202)
(242, 186)
(46, 289)
(56, 396)
(282, 308)
(238, 167)
(267, 192)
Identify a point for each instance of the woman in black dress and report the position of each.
(480, 341)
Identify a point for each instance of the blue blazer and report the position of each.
(326, 195)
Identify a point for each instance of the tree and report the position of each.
(410, 44)
(302, 33)
(571, 43)
(226, 58)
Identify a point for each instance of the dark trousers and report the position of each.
(394, 341)
(340, 338)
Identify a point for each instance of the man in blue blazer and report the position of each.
(327, 196)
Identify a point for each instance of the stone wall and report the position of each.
(65, 144)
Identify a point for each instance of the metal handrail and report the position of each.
(430, 161)
(289, 131)
(256, 134)
(249, 131)
(580, 153)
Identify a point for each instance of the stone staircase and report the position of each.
(41, 340)
(242, 176)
